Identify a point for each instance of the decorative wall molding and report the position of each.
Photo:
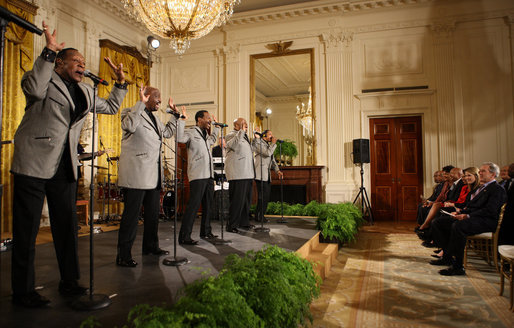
(443, 29)
(337, 39)
(232, 53)
(323, 8)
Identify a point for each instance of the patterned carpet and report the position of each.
(384, 280)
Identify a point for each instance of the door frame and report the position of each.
(406, 103)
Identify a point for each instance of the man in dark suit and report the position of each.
(45, 163)
(480, 215)
(141, 173)
(200, 173)
(506, 236)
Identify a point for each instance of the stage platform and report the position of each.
(150, 282)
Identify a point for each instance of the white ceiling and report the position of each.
(283, 76)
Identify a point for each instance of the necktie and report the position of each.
(478, 191)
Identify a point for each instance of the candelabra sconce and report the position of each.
(306, 120)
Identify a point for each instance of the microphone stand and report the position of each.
(175, 261)
(282, 220)
(261, 228)
(92, 301)
(221, 241)
(107, 219)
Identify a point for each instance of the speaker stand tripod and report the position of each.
(365, 204)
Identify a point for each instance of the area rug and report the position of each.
(384, 280)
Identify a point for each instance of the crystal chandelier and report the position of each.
(181, 20)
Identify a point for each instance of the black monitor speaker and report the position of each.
(360, 151)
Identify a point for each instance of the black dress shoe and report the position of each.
(209, 236)
(125, 263)
(452, 271)
(157, 251)
(436, 256)
(441, 261)
(71, 288)
(188, 242)
(428, 244)
(438, 250)
(30, 300)
(233, 230)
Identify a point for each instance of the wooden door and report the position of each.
(396, 167)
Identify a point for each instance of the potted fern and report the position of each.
(289, 152)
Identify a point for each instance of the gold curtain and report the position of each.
(18, 58)
(137, 73)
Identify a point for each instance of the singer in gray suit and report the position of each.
(45, 163)
(240, 173)
(141, 173)
(264, 162)
(200, 173)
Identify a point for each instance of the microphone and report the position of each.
(221, 125)
(257, 133)
(96, 79)
(280, 141)
(174, 113)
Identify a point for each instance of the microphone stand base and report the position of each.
(221, 242)
(261, 229)
(282, 220)
(175, 261)
(91, 302)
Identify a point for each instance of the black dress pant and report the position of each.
(262, 199)
(240, 193)
(134, 198)
(28, 199)
(201, 192)
(450, 234)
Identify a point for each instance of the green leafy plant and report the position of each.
(289, 152)
(335, 221)
(267, 288)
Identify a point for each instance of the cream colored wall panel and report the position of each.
(190, 80)
(71, 31)
(486, 112)
(395, 58)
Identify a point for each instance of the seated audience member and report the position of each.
(443, 190)
(480, 215)
(452, 193)
(471, 181)
(506, 180)
(506, 236)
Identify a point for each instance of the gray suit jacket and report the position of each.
(140, 157)
(199, 161)
(46, 126)
(239, 161)
(264, 158)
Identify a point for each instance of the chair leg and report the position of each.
(502, 277)
(488, 249)
(465, 259)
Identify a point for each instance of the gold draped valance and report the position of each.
(18, 58)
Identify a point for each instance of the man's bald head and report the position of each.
(240, 123)
(456, 173)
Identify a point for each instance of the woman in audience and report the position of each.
(472, 180)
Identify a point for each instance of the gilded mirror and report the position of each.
(282, 97)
